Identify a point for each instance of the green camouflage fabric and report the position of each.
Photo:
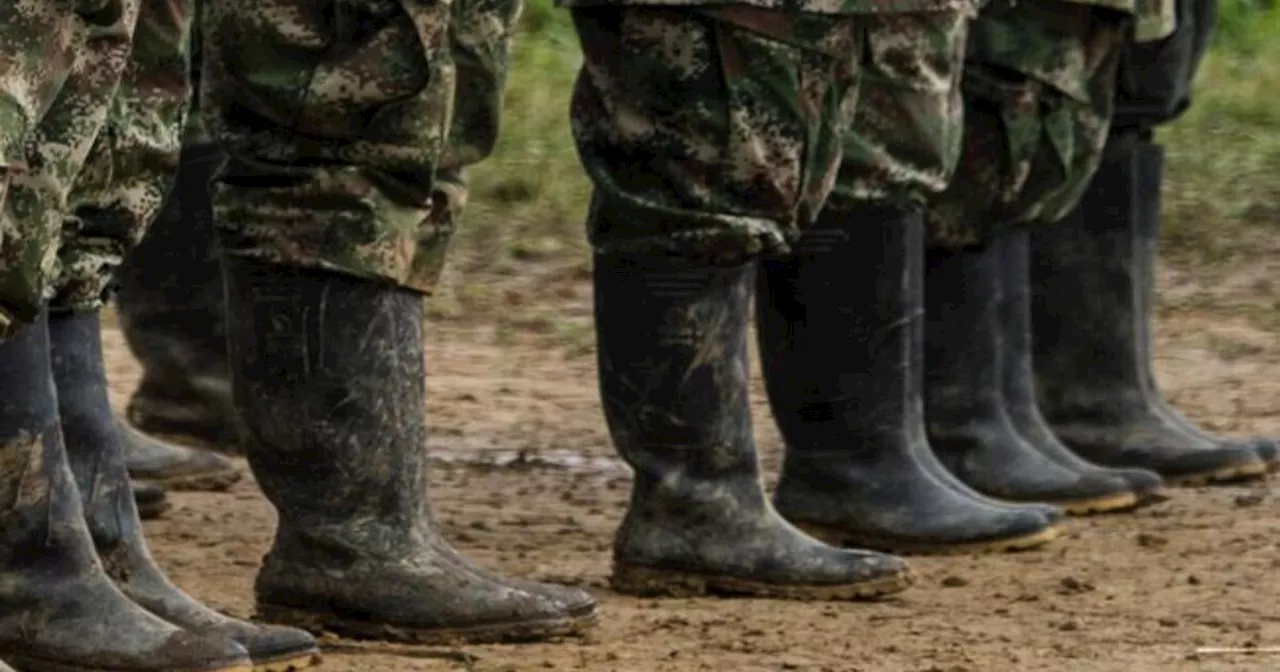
(134, 160)
(1155, 19)
(710, 133)
(904, 142)
(98, 158)
(480, 40)
(55, 151)
(335, 119)
(40, 42)
(1039, 91)
(827, 7)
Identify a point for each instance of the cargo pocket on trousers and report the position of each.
(788, 108)
(1014, 102)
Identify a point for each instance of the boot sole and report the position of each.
(646, 582)
(26, 664)
(842, 538)
(289, 663)
(1244, 472)
(218, 481)
(320, 623)
(1125, 501)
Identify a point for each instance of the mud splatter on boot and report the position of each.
(673, 381)
(1018, 382)
(171, 311)
(58, 609)
(173, 466)
(95, 450)
(1090, 366)
(839, 330)
(1149, 166)
(329, 386)
(967, 422)
(152, 501)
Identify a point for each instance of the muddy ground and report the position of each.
(527, 483)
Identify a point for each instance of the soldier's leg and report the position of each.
(840, 321)
(1112, 411)
(61, 610)
(128, 171)
(711, 136)
(324, 212)
(1156, 89)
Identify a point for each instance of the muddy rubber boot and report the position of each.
(1018, 379)
(1149, 158)
(173, 466)
(965, 414)
(1090, 366)
(673, 380)
(59, 611)
(838, 327)
(171, 311)
(95, 450)
(152, 501)
(329, 384)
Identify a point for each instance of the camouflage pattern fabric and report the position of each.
(710, 133)
(904, 142)
(788, 6)
(480, 40)
(40, 41)
(1039, 88)
(1156, 77)
(335, 120)
(134, 160)
(54, 151)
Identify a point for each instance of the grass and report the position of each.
(525, 219)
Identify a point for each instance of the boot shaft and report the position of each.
(329, 387)
(1086, 286)
(41, 527)
(963, 341)
(840, 329)
(672, 357)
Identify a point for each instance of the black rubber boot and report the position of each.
(152, 501)
(839, 332)
(173, 466)
(1149, 159)
(329, 376)
(673, 380)
(1019, 380)
(1090, 368)
(58, 609)
(965, 414)
(95, 450)
(171, 311)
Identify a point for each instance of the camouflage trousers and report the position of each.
(1039, 89)
(103, 95)
(717, 133)
(352, 160)
(1154, 85)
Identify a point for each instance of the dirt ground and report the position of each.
(528, 483)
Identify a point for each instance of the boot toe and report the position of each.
(152, 501)
(575, 601)
(1268, 451)
(191, 652)
(1097, 492)
(174, 465)
(1143, 482)
(275, 648)
(1202, 467)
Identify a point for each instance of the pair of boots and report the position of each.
(1093, 277)
(842, 331)
(81, 591)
